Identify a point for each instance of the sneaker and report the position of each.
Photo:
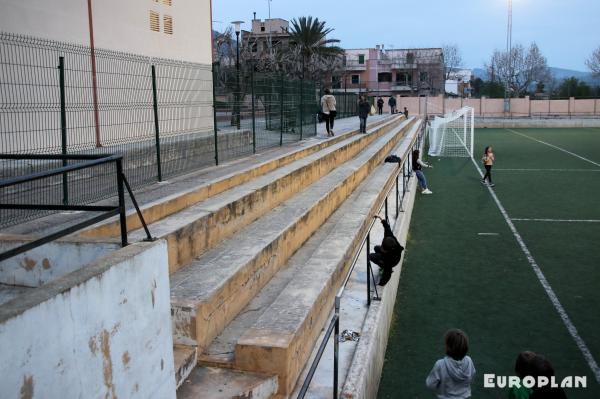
(491, 185)
(484, 182)
(427, 191)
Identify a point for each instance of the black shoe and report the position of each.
(491, 185)
(385, 277)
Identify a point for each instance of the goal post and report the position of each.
(453, 134)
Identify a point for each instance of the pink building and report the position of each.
(397, 72)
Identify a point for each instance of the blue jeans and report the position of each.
(363, 124)
(422, 179)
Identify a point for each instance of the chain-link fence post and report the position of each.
(214, 100)
(156, 125)
(253, 110)
(281, 111)
(301, 104)
(63, 127)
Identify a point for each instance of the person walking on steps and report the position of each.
(380, 106)
(388, 254)
(392, 104)
(363, 112)
(488, 161)
(329, 112)
(418, 165)
(406, 112)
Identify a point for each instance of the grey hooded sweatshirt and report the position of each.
(451, 379)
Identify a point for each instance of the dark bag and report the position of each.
(320, 117)
(393, 159)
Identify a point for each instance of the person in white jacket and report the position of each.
(328, 110)
(452, 375)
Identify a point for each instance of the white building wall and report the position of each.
(101, 332)
(118, 25)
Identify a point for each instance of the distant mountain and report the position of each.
(558, 73)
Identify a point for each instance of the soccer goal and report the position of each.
(453, 134)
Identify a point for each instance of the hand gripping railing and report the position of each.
(404, 172)
(87, 161)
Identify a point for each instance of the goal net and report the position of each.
(452, 135)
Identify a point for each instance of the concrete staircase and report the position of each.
(256, 256)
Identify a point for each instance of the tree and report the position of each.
(309, 43)
(521, 69)
(594, 62)
(573, 87)
(452, 59)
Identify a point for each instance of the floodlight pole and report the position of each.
(236, 105)
(509, 55)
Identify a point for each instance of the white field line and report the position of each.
(545, 170)
(546, 285)
(557, 220)
(553, 146)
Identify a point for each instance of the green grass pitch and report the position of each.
(454, 277)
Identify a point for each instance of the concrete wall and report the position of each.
(114, 20)
(494, 107)
(535, 123)
(100, 332)
(48, 262)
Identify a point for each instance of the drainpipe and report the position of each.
(94, 80)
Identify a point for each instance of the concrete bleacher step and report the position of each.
(157, 209)
(215, 383)
(276, 332)
(191, 232)
(209, 293)
(185, 358)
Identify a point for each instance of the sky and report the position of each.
(565, 30)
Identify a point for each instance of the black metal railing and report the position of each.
(403, 172)
(52, 188)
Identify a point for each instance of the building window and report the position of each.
(410, 58)
(361, 58)
(384, 77)
(262, 28)
(154, 21)
(254, 47)
(403, 78)
(355, 79)
(423, 76)
(168, 24)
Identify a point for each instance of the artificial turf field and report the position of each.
(484, 284)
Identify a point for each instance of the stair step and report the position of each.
(209, 293)
(191, 232)
(186, 358)
(215, 383)
(282, 338)
(155, 209)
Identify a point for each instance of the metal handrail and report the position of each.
(405, 169)
(108, 211)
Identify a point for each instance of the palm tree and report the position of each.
(309, 36)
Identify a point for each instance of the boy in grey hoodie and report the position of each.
(451, 376)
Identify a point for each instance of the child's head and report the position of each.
(541, 367)
(457, 344)
(415, 154)
(524, 364)
(488, 149)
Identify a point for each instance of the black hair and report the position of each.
(457, 344)
(327, 91)
(524, 364)
(486, 150)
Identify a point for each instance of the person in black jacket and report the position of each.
(363, 112)
(387, 255)
(380, 105)
(392, 104)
